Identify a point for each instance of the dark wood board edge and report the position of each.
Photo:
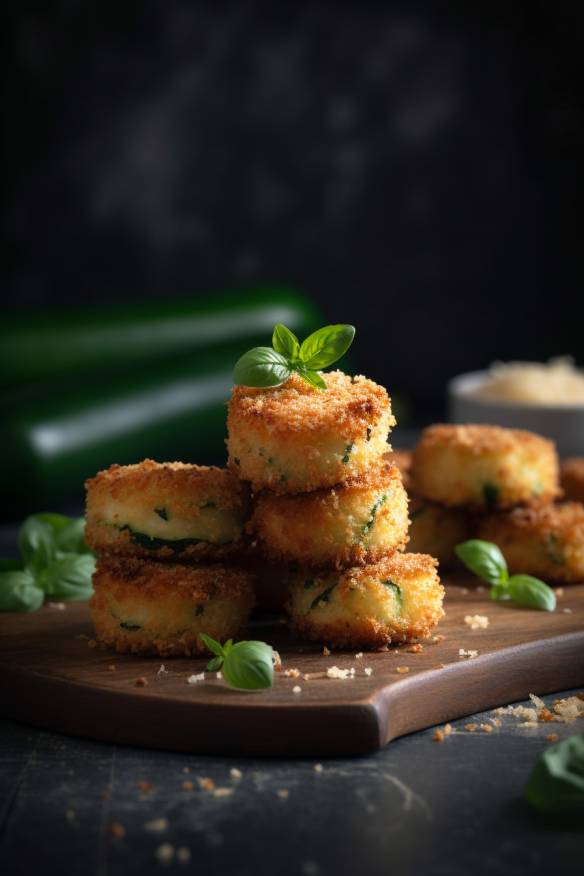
(471, 686)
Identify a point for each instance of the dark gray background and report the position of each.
(412, 166)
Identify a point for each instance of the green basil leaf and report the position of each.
(556, 783)
(529, 591)
(18, 592)
(249, 666)
(36, 542)
(71, 537)
(215, 664)
(285, 342)
(68, 577)
(325, 346)
(261, 367)
(213, 646)
(312, 377)
(484, 559)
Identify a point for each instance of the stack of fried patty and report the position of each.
(164, 535)
(330, 514)
(499, 485)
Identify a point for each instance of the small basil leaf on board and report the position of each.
(36, 542)
(261, 367)
(71, 537)
(68, 577)
(529, 591)
(213, 646)
(325, 346)
(18, 592)
(312, 377)
(249, 666)
(215, 664)
(285, 342)
(484, 559)
(556, 783)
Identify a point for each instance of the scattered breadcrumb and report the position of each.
(567, 710)
(235, 773)
(368, 670)
(223, 792)
(219, 675)
(552, 737)
(283, 793)
(470, 655)
(145, 787)
(486, 728)
(183, 855)
(496, 722)
(141, 682)
(528, 715)
(559, 591)
(118, 830)
(567, 610)
(318, 768)
(438, 666)
(358, 656)
(402, 669)
(292, 673)
(442, 732)
(165, 853)
(310, 676)
(206, 784)
(471, 727)
(464, 590)
(58, 606)
(163, 670)
(416, 648)
(157, 825)
(187, 786)
(336, 672)
(439, 638)
(477, 621)
(296, 689)
(111, 667)
(193, 679)
(325, 651)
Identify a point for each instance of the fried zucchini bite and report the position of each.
(436, 530)
(165, 511)
(295, 439)
(357, 522)
(484, 466)
(546, 541)
(572, 478)
(395, 600)
(143, 607)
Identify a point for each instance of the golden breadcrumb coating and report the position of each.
(572, 478)
(546, 541)
(144, 607)
(484, 466)
(165, 511)
(294, 438)
(358, 522)
(436, 530)
(396, 600)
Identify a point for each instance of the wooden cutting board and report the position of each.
(51, 677)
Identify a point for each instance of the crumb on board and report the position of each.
(117, 830)
(441, 733)
(283, 793)
(477, 621)
(438, 666)
(223, 792)
(567, 610)
(145, 787)
(194, 679)
(565, 711)
(292, 673)
(552, 737)
(296, 689)
(205, 783)
(416, 648)
(57, 606)
(187, 786)
(141, 681)
(368, 670)
(437, 638)
(111, 667)
(235, 774)
(337, 672)
(325, 651)
(486, 728)
(402, 669)
(471, 727)
(163, 670)
(559, 591)
(465, 654)
(219, 675)
(310, 676)
(318, 768)
(165, 853)
(358, 656)
(157, 825)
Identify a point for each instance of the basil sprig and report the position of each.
(556, 783)
(54, 561)
(486, 560)
(263, 367)
(245, 665)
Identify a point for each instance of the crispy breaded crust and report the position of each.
(183, 482)
(348, 405)
(361, 613)
(165, 606)
(336, 528)
(296, 439)
(131, 511)
(436, 529)
(484, 466)
(572, 478)
(546, 540)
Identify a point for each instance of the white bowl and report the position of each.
(564, 424)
